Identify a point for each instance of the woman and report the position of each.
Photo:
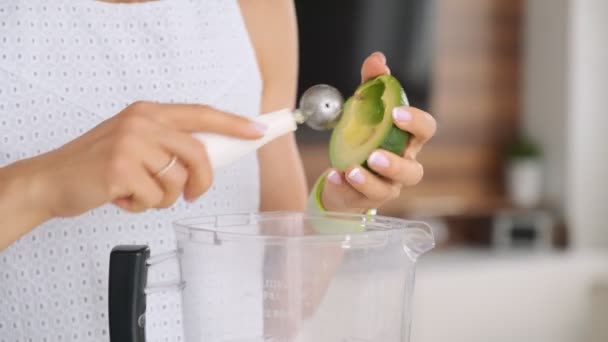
(96, 98)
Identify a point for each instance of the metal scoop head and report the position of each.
(320, 107)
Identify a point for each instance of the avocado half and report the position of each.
(367, 124)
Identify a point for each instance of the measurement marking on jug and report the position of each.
(272, 288)
(271, 296)
(273, 284)
(275, 339)
(276, 314)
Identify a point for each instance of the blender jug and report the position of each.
(280, 277)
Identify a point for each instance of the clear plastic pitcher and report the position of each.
(281, 277)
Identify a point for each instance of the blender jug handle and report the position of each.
(127, 299)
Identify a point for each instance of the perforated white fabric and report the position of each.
(65, 65)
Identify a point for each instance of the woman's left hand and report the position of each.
(357, 189)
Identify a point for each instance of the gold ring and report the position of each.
(166, 168)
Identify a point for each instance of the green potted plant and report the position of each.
(524, 173)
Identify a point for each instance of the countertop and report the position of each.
(475, 295)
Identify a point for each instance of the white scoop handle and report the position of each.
(223, 150)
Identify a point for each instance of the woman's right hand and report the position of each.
(118, 160)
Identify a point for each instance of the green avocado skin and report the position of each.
(395, 139)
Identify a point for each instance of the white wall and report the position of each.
(588, 122)
(565, 106)
(545, 88)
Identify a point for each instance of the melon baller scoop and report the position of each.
(320, 108)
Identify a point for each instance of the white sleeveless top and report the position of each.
(66, 65)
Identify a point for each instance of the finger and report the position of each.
(145, 192)
(201, 118)
(123, 202)
(396, 168)
(374, 65)
(370, 185)
(338, 194)
(419, 123)
(193, 155)
(172, 181)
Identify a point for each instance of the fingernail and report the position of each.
(400, 114)
(378, 160)
(188, 198)
(380, 55)
(334, 177)
(356, 176)
(259, 127)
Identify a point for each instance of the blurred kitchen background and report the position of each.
(515, 183)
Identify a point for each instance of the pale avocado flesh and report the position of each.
(367, 123)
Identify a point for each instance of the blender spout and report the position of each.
(417, 239)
